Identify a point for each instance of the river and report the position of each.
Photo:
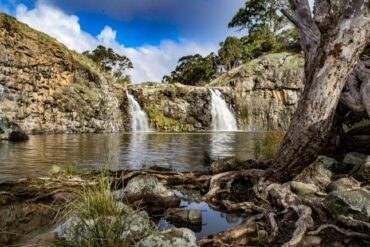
(180, 151)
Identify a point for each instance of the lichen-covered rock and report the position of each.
(353, 203)
(343, 184)
(302, 188)
(134, 225)
(148, 191)
(318, 173)
(46, 88)
(176, 237)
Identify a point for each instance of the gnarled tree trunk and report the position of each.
(332, 41)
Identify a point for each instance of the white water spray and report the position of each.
(139, 120)
(222, 117)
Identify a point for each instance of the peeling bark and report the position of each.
(332, 41)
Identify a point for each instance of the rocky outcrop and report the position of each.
(11, 131)
(263, 94)
(46, 88)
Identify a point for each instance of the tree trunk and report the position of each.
(332, 41)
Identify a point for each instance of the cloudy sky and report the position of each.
(154, 34)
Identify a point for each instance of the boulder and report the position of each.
(11, 131)
(136, 225)
(188, 216)
(318, 173)
(343, 184)
(354, 203)
(149, 192)
(302, 188)
(175, 237)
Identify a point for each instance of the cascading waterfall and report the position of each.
(222, 117)
(139, 119)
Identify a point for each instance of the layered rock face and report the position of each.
(174, 107)
(263, 95)
(45, 88)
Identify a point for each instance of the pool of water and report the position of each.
(212, 221)
(180, 151)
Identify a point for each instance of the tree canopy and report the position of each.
(109, 61)
(230, 53)
(194, 70)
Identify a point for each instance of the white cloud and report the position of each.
(107, 35)
(151, 62)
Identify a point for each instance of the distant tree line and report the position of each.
(111, 62)
(267, 31)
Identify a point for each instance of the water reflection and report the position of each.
(212, 221)
(183, 151)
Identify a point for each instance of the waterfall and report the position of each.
(222, 118)
(139, 120)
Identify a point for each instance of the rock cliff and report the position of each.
(46, 88)
(262, 93)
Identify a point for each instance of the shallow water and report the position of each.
(212, 221)
(180, 151)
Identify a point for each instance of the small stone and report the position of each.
(195, 216)
(189, 216)
(175, 237)
(302, 188)
(355, 159)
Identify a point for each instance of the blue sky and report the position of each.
(154, 34)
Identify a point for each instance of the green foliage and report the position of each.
(97, 203)
(68, 170)
(162, 122)
(109, 61)
(257, 13)
(258, 43)
(268, 30)
(194, 70)
(230, 53)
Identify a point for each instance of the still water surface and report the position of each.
(180, 151)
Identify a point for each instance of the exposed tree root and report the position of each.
(274, 226)
(223, 182)
(273, 206)
(236, 236)
(303, 223)
(344, 232)
(350, 222)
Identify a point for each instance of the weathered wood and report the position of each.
(332, 41)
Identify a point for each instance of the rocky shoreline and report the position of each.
(334, 195)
